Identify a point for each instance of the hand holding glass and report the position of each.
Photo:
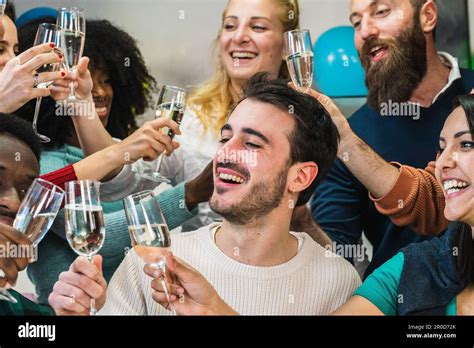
(47, 33)
(85, 230)
(148, 232)
(171, 104)
(36, 215)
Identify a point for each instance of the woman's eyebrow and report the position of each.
(460, 134)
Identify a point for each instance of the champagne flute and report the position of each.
(47, 33)
(36, 215)
(299, 58)
(85, 230)
(148, 231)
(171, 104)
(72, 20)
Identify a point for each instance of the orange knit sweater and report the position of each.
(416, 200)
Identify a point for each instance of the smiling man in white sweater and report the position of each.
(277, 145)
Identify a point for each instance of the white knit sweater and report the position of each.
(314, 282)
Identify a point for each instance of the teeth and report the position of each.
(453, 190)
(229, 177)
(243, 55)
(100, 110)
(376, 49)
(456, 185)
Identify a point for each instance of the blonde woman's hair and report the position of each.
(213, 100)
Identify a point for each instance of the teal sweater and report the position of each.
(54, 253)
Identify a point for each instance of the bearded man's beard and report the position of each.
(396, 76)
(263, 198)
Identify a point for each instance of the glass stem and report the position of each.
(71, 89)
(93, 310)
(165, 287)
(37, 110)
(158, 164)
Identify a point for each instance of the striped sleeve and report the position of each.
(416, 200)
(61, 176)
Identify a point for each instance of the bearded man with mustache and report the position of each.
(395, 40)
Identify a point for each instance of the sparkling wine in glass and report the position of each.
(300, 58)
(171, 104)
(36, 215)
(148, 232)
(72, 20)
(47, 33)
(84, 219)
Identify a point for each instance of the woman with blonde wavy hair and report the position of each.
(249, 41)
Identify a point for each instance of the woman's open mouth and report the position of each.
(102, 111)
(240, 57)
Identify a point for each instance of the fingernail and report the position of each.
(157, 274)
(52, 45)
(63, 74)
(60, 56)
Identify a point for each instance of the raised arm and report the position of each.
(410, 197)
(91, 133)
(376, 174)
(416, 199)
(148, 142)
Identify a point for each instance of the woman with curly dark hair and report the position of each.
(123, 86)
(121, 89)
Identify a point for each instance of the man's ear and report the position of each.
(429, 16)
(301, 176)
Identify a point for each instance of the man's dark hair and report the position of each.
(417, 5)
(10, 11)
(21, 130)
(117, 53)
(314, 138)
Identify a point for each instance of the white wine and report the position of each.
(147, 238)
(34, 227)
(73, 47)
(172, 111)
(300, 66)
(154, 235)
(85, 230)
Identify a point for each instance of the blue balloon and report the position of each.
(337, 68)
(36, 13)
